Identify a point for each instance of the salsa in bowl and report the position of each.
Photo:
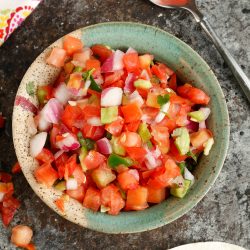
(115, 130)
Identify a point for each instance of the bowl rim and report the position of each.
(159, 222)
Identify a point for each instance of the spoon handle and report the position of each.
(233, 65)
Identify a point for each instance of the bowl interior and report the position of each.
(189, 66)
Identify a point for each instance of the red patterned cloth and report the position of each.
(12, 14)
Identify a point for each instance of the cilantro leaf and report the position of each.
(94, 85)
(85, 142)
(161, 100)
(87, 74)
(30, 88)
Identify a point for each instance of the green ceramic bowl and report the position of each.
(189, 66)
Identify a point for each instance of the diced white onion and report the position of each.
(111, 97)
(188, 175)
(94, 121)
(37, 143)
(71, 184)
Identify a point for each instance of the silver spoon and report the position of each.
(190, 5)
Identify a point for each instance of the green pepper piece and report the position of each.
(197, 116)
(180, 192)
(117, 147)
(182, 166)
(78, 69)
(144, 133)
(41, 95)
(143, 84)
(94, 85)
(116, 160)
(182, 141)
(109, 114)
(61, 186)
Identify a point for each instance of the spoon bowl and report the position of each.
(191, 6)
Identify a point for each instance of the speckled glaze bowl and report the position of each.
(189, 67)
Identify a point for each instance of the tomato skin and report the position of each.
(169, 123)
(46, 174)
(161, 71)
(111, 197)
(195, 95)
(91, 111)
(79, 175)
(130, 139)
(60, 164)
(156, 195)
(115, 128)
(162, 180)
(113, 77)
(172, 83)
(72, 45)
(92, 199)
(127, 181)
(131, 62)
(136, 153)
(16, 168)
(9, 207)
(131, 112)
(71, 116)
(93, 159)
(93, 132)
(137, 199)
(93, 64)
(132, 126)
(45, 156)
(77, 194)
(161, 136)
(101, 51)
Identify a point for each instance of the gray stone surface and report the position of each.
(223, 215)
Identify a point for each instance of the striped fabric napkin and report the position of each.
(12, 14)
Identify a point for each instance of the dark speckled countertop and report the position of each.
(223, 215)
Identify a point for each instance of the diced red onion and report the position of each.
(206, 111)
(37, 143)
(43, 124)
(131, 50)
(135, 173)
(156, 153)
(144, 75)
(147, 119)
(62, 93)
(192, 126)
(86, 87)
(68, 143)
(104, 146)
(94, 121)
(179, 181)
(151, 162)
(136, 97)
(129, 83)
(160, 116)
(71, 184)
(202, 125)
(58, 154)
(188, 175)
(111, 97)
(31, 125)
(99, 79)
(113, 63)
(52, 111)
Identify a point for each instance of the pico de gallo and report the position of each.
(116, 131)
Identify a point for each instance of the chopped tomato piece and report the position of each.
(10, 205)
(75, 81)
(161, 136)
(162, 180)
(70, 166)
(195, 95)
(79, 175)
(101, 51)
(77, 194)
(60, 164)
(137, 199)
(156, 195)
(113, 77)
(93, 64)
(72, 116)
(130, 139)
(92, 199)
(136, 153)
(93, 159)
(161, 71)
(46, 174)
(131, 112)
(5, 177)
(132, 126)
(16, 168)
(72, 45)
(169, 123)
(131, 62)
(115, 127)
(93, 132)
(60, 204)
(111, 198)
(199, 138)
(102, 176)
(172, 83)
(127, 180)
(91, 111)
(45, 156)
(57, 57)
(145, 61)
(175, 154)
